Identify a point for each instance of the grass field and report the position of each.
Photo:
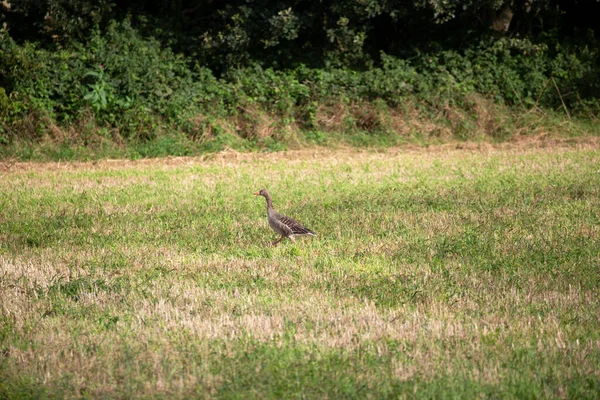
(437, 272)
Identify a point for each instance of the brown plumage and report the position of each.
(285, 226)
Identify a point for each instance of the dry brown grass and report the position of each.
(253, 123)
(518, 145)
(172, 306)
(150, 277)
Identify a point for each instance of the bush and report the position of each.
(117, 74)
(134, 89)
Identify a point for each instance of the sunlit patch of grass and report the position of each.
(434, 273)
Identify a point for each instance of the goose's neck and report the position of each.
(269, 202)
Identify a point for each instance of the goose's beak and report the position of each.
(257, 193)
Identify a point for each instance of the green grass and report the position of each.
(436, 273)
(336, 125)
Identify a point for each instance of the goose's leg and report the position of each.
(291, 237)
(277, 241)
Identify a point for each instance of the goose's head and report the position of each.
(262, 192)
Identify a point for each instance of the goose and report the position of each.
(285, 226)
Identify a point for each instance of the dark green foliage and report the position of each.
(190, 76)
(116, 72)
(58, 20)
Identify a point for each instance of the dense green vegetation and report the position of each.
(436, 273)
(148, 78)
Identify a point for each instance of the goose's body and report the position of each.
(285, 226)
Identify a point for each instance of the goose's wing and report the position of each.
(296, 227)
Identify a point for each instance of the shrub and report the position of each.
(117, 74)
(133, 88)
